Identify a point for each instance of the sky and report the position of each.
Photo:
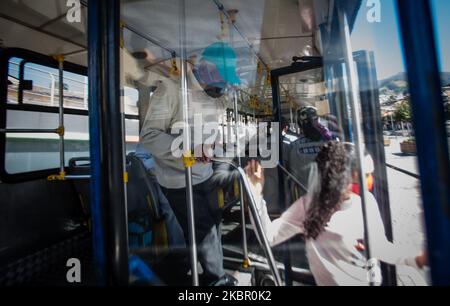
(383, 37)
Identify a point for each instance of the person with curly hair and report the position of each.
(330, 218)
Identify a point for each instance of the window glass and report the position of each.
(45, 89)
(26, 152)
(369, 94)
(30, 151)
(441, 9)
(13, 79)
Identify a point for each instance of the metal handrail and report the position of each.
(39, 131)
(258, 224)
(246, 261)
(187, 144)
(409, 173)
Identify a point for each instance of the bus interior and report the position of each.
(77, 79)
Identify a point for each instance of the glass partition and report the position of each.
(367, 91)
(203, 77)
(440, 8)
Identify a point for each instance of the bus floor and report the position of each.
(168, 266)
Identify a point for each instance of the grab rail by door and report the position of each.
(258, 224)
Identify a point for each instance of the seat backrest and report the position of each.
(142, 195)
(81, 166)
(146, 225)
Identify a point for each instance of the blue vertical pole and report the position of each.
(96, 192)
(429, 122)
(109, 213)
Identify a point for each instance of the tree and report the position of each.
(447, 110)
(402, 112)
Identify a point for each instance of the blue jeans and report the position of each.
(208, 216)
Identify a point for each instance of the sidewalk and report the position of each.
(405, 200)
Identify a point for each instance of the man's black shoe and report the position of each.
(226, 281)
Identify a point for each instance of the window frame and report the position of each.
(28, 56)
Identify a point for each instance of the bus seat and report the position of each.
(144, 213)
(144, 210)
(147, 229)
(142, 194)
(81, 166)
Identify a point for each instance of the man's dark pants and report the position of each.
(207, 216)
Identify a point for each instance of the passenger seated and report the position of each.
(330, 218)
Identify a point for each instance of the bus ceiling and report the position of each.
(276, 30)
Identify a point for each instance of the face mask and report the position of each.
(369, 182)
(324, 131)
(214, 91)
(208, 74)
(310, 131)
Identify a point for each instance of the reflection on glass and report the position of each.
(441, 9)
(382, 96)
(358, 89)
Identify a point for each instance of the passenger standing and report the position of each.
(304, 150)
(207, 83)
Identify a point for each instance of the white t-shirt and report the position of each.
(333, 257)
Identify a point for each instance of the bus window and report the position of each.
(131, 96)
(367, 91)
(29, 152)
(441, 9)
(302, 89)
(13, 79)
(45, 89)
(26, 152)
(131, 134)
(131, 100)
(297, 92)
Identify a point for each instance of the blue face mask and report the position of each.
(208, 74)
(215, 90)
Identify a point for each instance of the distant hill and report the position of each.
(397, 84)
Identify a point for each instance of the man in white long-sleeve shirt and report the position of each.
(207, 82)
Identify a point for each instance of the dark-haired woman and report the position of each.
(330, 218)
